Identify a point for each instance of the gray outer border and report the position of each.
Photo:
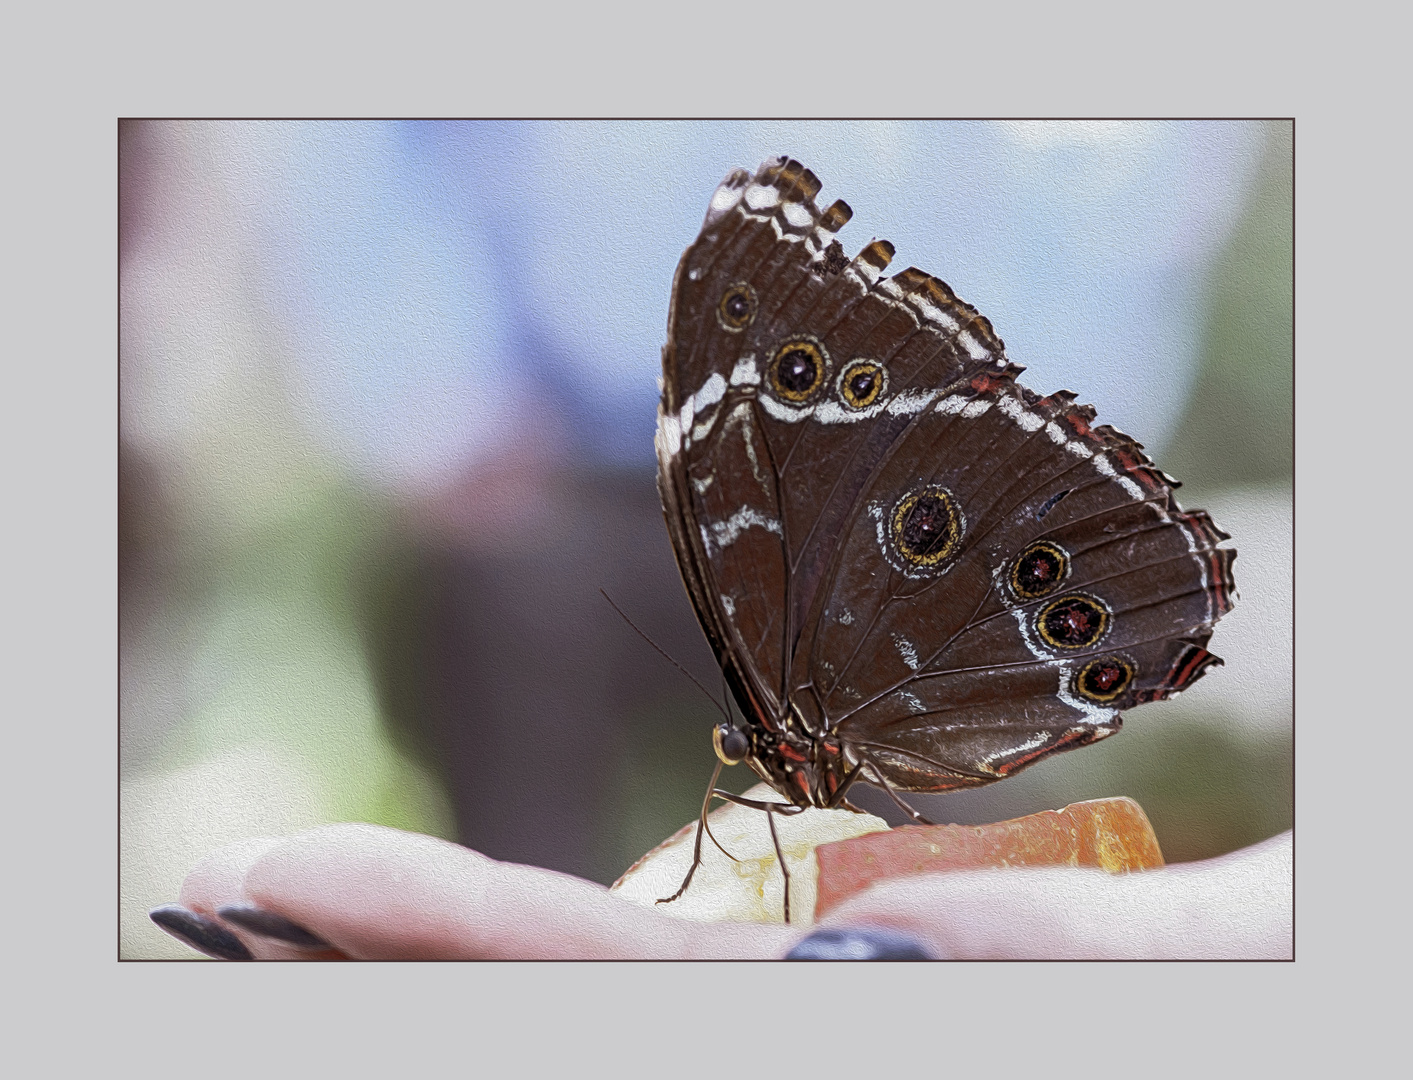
(79, 70)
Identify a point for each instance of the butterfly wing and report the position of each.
(1075, 588)
(719, 465)
(878, 525)
(746, 489)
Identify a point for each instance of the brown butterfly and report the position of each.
(915, 572)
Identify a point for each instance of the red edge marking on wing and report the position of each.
(1136, 465)
(1217, 558)
(1012, 766)
(987, 381)
(1191, 662)
(1081, 427)
(1219, 584)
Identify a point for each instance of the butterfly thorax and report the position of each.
(806, 768)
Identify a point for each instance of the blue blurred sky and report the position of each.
(447, 288)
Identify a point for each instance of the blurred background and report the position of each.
(387, 400)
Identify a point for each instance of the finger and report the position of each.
(203, 934)
(1234, 907)
(272, 926)
(378, 893)
(217, 886)
(858, 943)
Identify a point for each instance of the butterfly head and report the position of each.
(731, 744)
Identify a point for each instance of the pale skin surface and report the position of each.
(377, 893)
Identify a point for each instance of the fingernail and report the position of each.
(859, 943)
(202, 934)
(267, 924)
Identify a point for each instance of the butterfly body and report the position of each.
(915, 572)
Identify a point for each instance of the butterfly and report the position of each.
(915, 572)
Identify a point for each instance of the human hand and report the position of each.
(368, 892)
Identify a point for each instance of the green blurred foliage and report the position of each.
(1207, 787)
(270, 620)
(1238, 428)
(396, 601)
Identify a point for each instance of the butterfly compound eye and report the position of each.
(730, 743)
(797, 369)
(737, 307)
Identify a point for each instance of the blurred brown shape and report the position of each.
(1111, 834)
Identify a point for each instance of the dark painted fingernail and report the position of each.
(202, 934)
(859, 943)
(267, 924)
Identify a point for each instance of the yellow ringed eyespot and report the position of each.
(927, 526)
(1104, 679)
(1073, 622)
(1039, 569)
(797, 369)
(737, 307)
(862, 383)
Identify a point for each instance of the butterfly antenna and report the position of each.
(661, 652)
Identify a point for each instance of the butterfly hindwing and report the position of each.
(971, 663)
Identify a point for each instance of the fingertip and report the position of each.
(272, 925)
(203, 934)
(219, 878)
(859, 943)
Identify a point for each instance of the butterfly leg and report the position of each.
(837, 799)
(780, 855)
(771, 809)
(777, 807)
(901, 804)
(712, 837)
